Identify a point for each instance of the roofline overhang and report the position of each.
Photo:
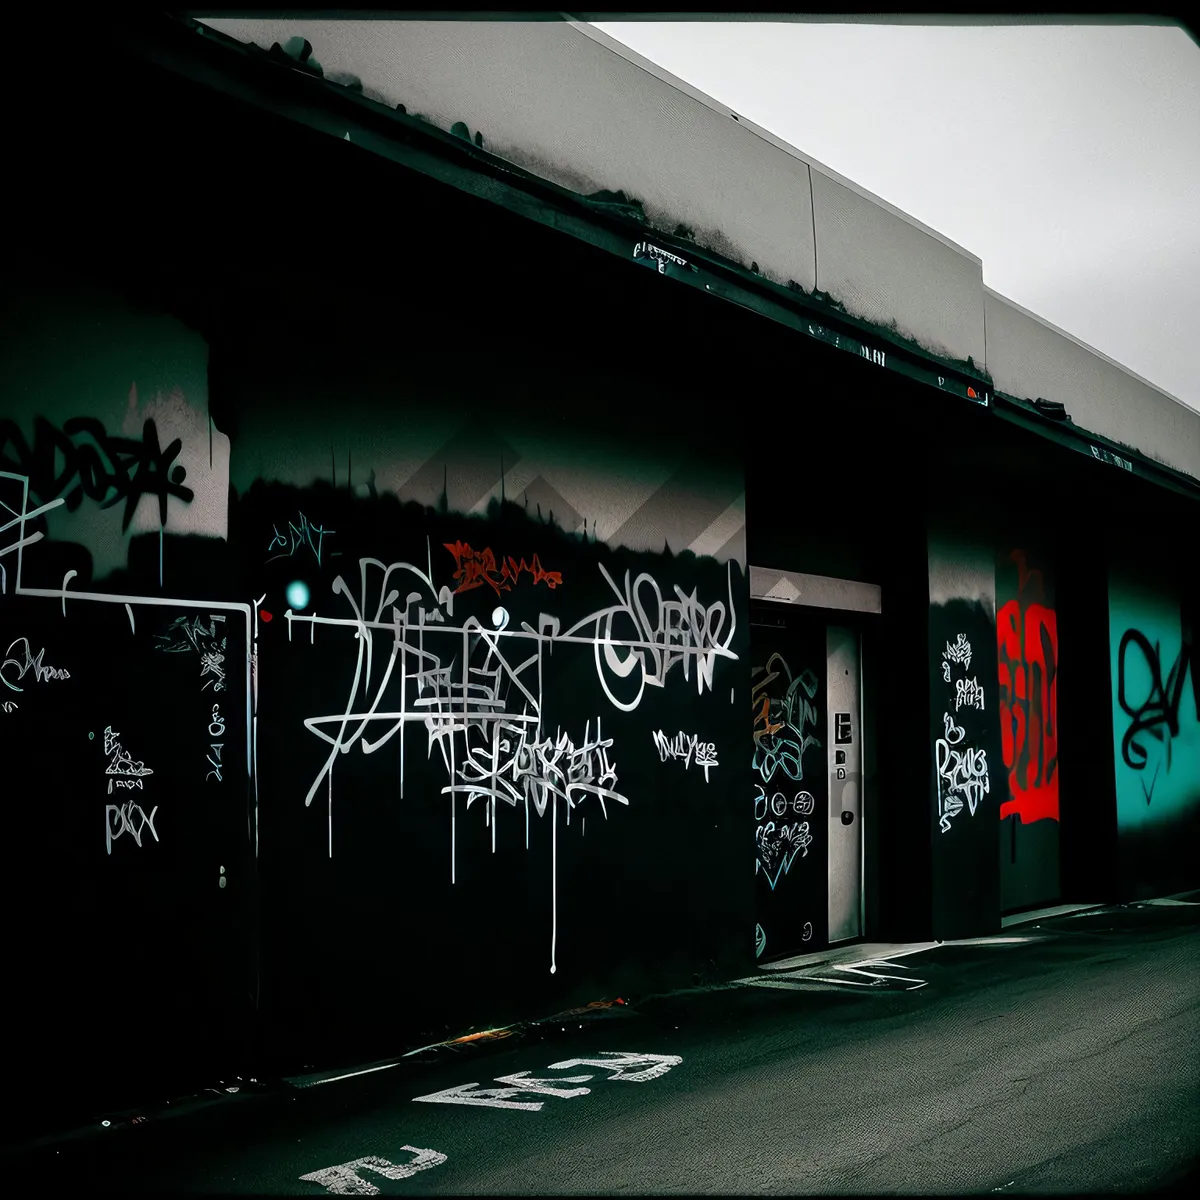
(185, 47)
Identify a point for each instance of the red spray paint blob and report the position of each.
(266, 616)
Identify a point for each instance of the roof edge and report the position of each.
(681, 85)
(1112, 362)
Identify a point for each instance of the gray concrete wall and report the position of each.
(1028, 358)
(886, 269)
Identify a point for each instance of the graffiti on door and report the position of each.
(783, 713)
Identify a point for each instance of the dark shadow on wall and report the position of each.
(1087, 794)
(905, 894)
(1155, 860)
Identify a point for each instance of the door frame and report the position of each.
(867, 622)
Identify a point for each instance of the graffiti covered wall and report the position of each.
(127, 689)
(106, 414)
(1156, 729)
(1027, 650)
(965, 791)
(452, 694)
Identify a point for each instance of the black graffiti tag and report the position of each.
(126, 468)
(1161, 705)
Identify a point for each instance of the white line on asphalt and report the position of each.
(348, 1075)
(991, 941)
(1041, 914)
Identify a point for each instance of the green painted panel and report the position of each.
(1156, 719)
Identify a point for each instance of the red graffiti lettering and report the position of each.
(512, 568)
(477, 567)
(1027, 644)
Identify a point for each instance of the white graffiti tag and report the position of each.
(960, 652)
(120, 761)
(656, 635)
(776, 848)
(968, 693)
(802, 803)
(185, 634)
(686, 748)
(962, 774)
(127, 818)
(41, 674)
(509, 762)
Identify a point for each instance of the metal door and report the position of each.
(845, 839)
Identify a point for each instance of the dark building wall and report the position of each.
(384, 556)
(1087, 791)
(483, 743)
(967, 770)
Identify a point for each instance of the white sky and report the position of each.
(1066, 157)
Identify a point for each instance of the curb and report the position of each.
(597, 1009)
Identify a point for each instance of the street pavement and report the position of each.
(1060, 1057)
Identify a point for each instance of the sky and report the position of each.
(1066, 157)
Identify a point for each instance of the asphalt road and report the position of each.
(1065, 1061)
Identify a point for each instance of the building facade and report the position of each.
(417, 570)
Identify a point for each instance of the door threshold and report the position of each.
(852, 952)
(1042, 914)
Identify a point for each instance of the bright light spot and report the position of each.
(297, 594)
(499, 617)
